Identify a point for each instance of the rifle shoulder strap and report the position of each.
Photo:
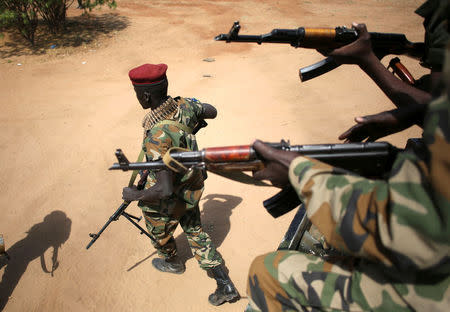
(175, 124)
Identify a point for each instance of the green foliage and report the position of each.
(23, 14)
(90, 4)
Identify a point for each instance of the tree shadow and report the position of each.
(215, 217)
(52, 232)
(79, 30)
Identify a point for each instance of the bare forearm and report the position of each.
(399, 92)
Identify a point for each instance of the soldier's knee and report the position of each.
(257, 266)
(260, 275)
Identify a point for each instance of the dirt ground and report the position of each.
(65, 111)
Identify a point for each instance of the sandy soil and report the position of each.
(65, 110)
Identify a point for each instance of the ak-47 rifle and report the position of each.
(372, 159)
(121, 212)
(327, 38)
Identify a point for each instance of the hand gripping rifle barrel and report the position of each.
(327, 39)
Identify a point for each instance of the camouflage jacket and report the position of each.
(161, 137)
(436, 14)
(401, 223)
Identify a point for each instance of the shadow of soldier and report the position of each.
(52, 232)
(215, 217)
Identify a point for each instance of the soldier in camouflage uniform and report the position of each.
(395, 232)
(171, 197)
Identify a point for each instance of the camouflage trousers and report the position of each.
(162, 227)
(294, 281)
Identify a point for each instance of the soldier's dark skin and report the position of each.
(276, 164)
(409, 100)
(153, 96)
(372, 127)
(360, 52)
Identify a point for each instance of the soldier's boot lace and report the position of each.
(169, 265)
(225, 289)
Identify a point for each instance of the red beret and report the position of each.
(148, 74)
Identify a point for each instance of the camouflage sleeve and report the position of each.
(395, 221)
(403, 221)
(436, 14)
(157, 142)
(345, 208)
(196, 106)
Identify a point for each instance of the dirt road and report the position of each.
(65, 110)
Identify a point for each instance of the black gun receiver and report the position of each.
(327, 38)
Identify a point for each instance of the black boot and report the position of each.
(170, 265)
(225, 289)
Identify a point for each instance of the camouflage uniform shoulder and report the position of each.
(189, 103)
(192, 100)
(436, 14)
(190, 111)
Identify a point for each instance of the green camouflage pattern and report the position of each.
(162, 137)
(395, 234)
(182, 207)
(163, 226)
(436, 14)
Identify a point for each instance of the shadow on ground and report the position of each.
(79, 31)
(215, 216)
(217, 209)
(52, 232)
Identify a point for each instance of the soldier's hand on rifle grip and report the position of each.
(358, 52)
(276, 164)
(163, 188)
(131, 193)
